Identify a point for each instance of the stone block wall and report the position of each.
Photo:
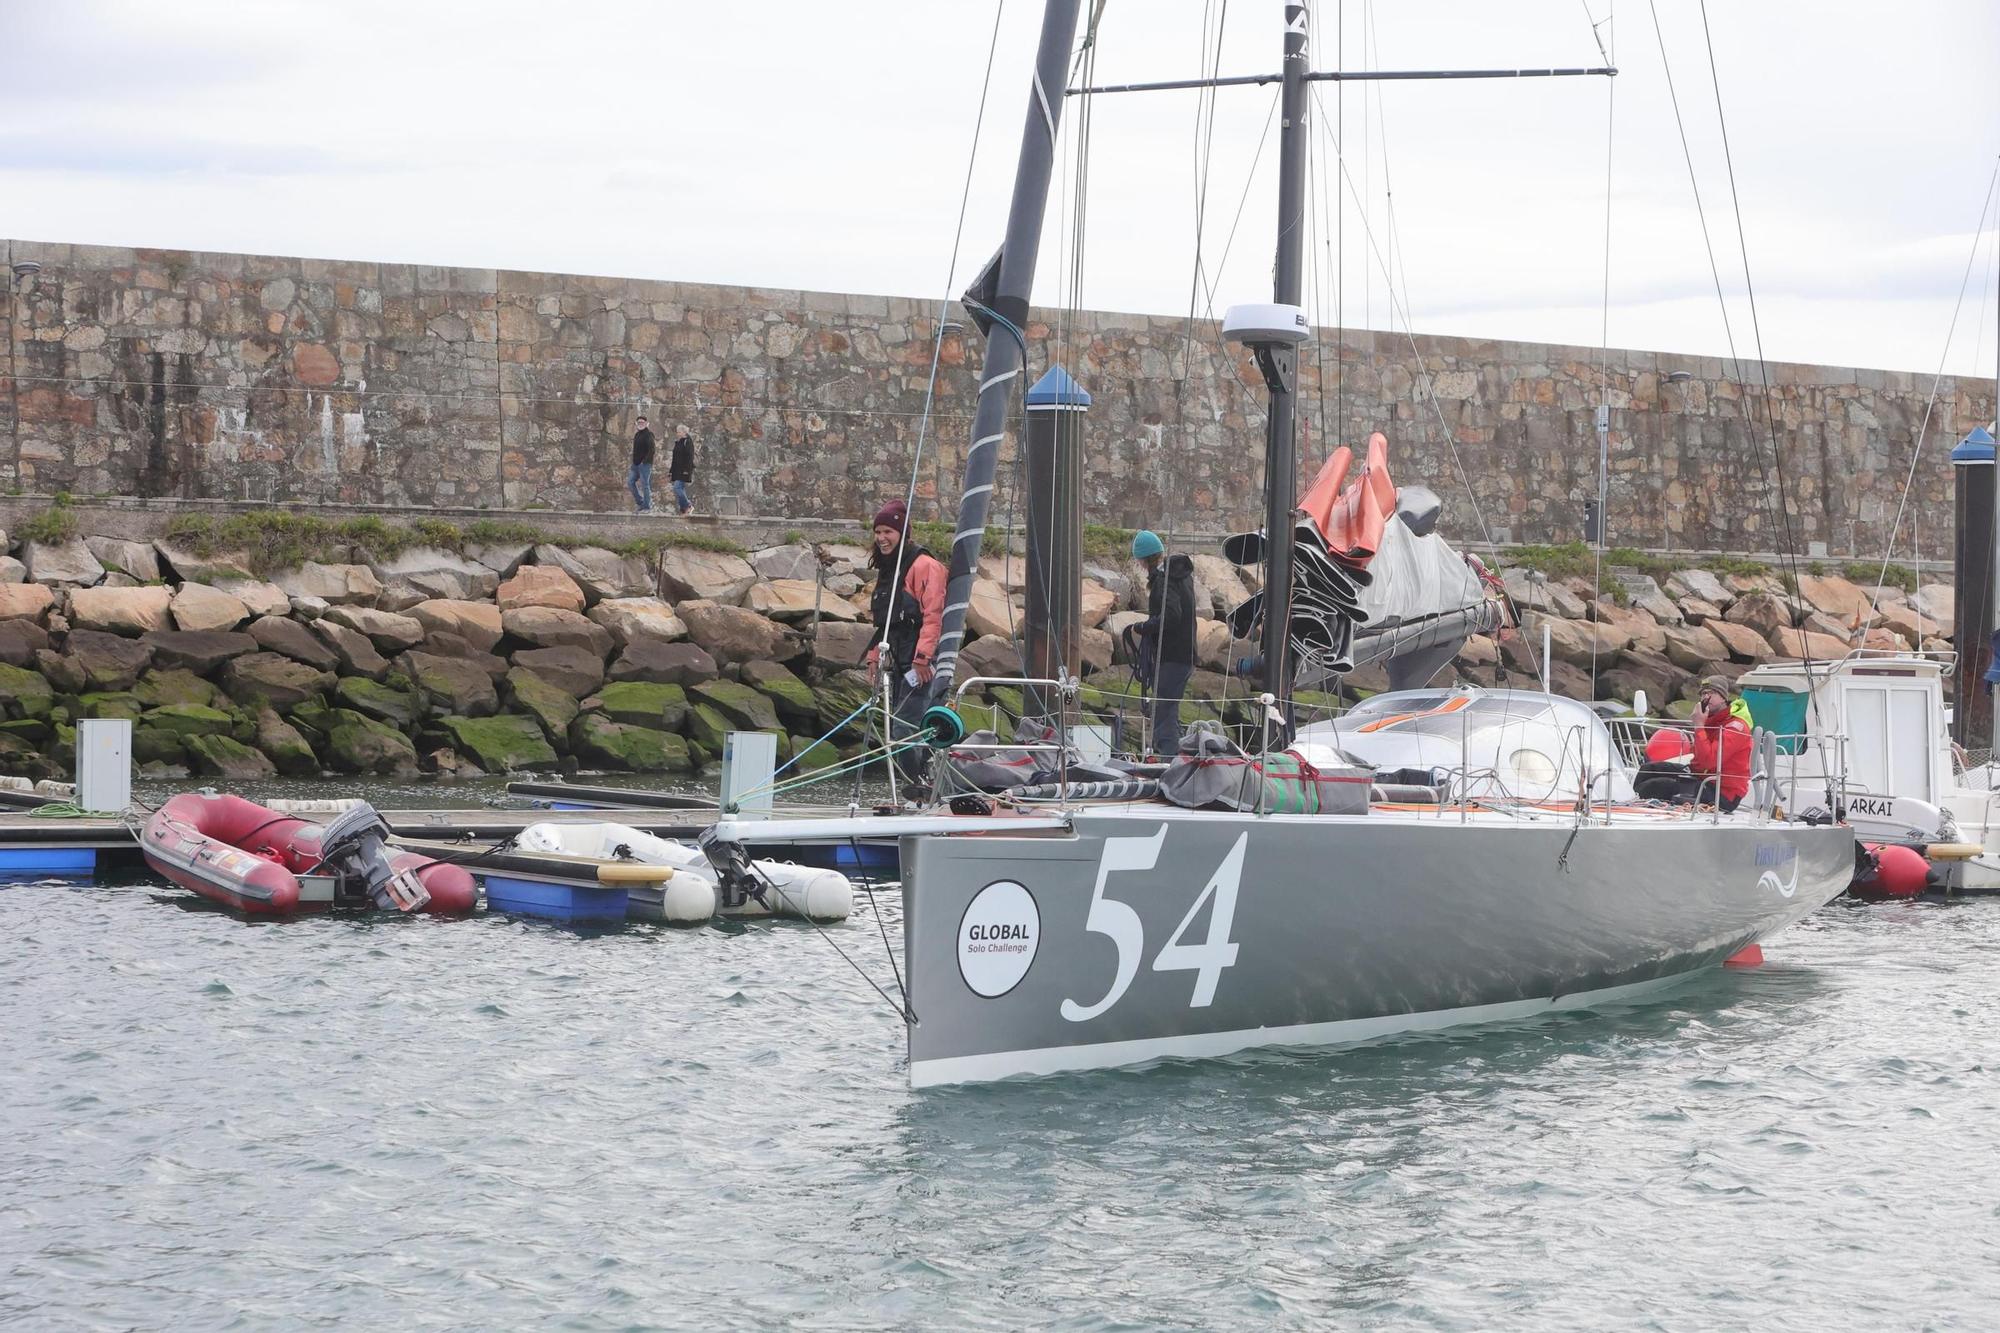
(170, 373)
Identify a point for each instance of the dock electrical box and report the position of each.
(748, 760)
(104, 764)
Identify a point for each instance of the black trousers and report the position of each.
(907, 703)
(1679, 786)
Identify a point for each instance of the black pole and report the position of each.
(1053, 455)
(1280, 441)
(998, 303)
(1992, 566)
(1972, 600)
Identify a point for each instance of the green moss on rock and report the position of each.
(221, 757)
(746, 709)
(153, 745)
(706, 726)
(178, 686)
(599, 741)
(399, 708)
(553, 709)
(185, 720)
(357, 743)
(642, 704)
(453, 687)
(500, 744)
(812, 756)
(111, 703)
(836, 698)
(794, 702)
(24, 693)
(288, 750)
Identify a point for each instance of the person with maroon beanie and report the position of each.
(908, 610)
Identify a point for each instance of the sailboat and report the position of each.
(1319, 904)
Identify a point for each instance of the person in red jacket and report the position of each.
(1721, 745)
(909, 619)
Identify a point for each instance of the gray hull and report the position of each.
(1154, 932)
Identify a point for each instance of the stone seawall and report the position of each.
(251, 377)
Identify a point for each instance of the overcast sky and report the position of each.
(824, 145)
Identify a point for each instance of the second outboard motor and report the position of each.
(352, 848)
(734, 875)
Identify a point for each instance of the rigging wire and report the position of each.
(1426, 392)
(937, 348)
(1937, 383)
(1602, 433)
(1204, 149)
(1763, 367)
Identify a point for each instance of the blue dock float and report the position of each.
(41, 862)
(553, 901)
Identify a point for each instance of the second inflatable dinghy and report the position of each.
(696, 891)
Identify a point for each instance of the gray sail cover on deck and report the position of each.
(1411, 608)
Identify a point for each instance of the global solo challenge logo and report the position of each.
(997, 938)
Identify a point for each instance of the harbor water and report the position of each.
(492, 1123)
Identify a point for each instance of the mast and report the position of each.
(1281, 374)
(1993, 567)
(998, 303)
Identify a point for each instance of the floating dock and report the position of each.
(72, 845)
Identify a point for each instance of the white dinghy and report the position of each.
(695, 892)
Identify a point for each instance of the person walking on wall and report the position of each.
(909, 620)
(1166, 638)
(680, 471)
(639, 480)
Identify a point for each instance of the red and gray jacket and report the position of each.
(916, 618)
(1723, 748)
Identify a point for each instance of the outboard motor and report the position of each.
(351, 848)
(737, 879)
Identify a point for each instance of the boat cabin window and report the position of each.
(1394, 702)
(1477, 716)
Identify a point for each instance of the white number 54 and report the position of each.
(1117, 920)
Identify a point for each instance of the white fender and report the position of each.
(820, 895)
(688, 898)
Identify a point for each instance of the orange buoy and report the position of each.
(1898, 872)
(1750, 955)
(1668, 743)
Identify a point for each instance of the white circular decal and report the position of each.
(997, 938)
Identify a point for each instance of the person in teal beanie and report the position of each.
(1165, 657)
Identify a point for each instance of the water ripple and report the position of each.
(493, 1123)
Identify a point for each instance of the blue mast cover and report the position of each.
(1976, 447)
(1057, 389)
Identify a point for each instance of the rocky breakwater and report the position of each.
(501, 657)
(1661, 632)
(488, 658)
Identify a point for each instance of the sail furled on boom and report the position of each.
(1373, 580)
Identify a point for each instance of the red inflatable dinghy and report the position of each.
(256, 860)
